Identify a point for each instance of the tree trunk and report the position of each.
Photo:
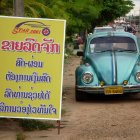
(18, 8)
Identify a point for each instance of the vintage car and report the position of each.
(110, 65)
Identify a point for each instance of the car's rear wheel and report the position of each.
(79, 96)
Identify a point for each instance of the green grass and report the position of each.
(20, 136)
(30, 125)
(63, 111)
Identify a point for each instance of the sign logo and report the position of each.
(31, 27)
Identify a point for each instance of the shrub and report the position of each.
(29, 124)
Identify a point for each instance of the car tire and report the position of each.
(79, 96)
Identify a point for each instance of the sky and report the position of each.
(136, 9)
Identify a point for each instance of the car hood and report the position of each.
(103, 65)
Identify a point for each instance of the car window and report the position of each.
(112, 43)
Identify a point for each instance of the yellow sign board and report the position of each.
(31, 67)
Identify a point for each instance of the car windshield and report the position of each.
(112, 43)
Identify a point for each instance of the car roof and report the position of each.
(112, 33)
(104, 27)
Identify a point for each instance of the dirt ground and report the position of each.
(97, 118)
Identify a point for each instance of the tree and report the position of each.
(86, 14)
(80, 15)
(111, 10)
(6, 7)
(32, 8)
(37, 8)
(77, 13)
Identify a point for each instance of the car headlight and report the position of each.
(87, 77)
(138, 76)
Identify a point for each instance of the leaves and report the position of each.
(80, 15)
(34, 8)
(113, 9)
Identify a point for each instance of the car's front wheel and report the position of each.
(79, 95)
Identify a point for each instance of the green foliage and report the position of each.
(112, 9)
(37, 8)
(63, 112)
(68, 52)
(20, 136)
(80, 15)
(30, 125)
(32, 8)
(6, 7)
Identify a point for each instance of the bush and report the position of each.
(29, 124)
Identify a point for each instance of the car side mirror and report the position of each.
(80, 53)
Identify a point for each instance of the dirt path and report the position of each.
(98, 118)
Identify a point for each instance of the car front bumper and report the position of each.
(100, 89)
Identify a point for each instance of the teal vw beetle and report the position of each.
(110, 65)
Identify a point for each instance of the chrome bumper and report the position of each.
(99, 89)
